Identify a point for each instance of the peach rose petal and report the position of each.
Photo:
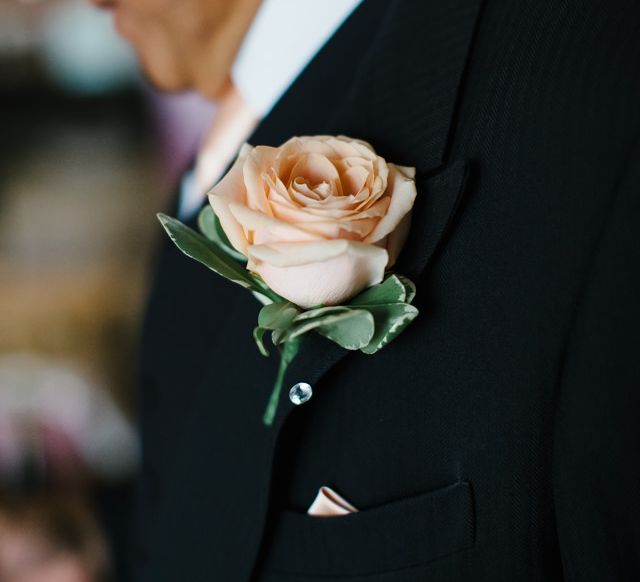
(354, 179)
(314, 273)
(314, 168)
(231, 189)
(364, 147)
(302, 216)
(291, 151)
(257, 161)
(304, 196)
(403, 195)
(353, 203)
(277, 190)
(348, 229)
(260, 228)
(295, 215)
(345, 147)
(291, 254)
(230, 226)
(377, 210)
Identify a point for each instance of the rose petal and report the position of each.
(318, 273)
(353, 179)
(314, 169)
(291, 254)
(259, 160)
(315, 193)
(348, 147)
(301, 215)
(403, 194)
(231, 189)
(277, 190)
(363, 147)
(343, 202)
(290, 151)
(355, 230)
(260, 228)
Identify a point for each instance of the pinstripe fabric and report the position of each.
(497, 437)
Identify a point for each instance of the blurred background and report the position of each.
(89, 154)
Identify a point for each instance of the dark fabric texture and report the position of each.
(497, 438)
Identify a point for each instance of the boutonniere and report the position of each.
(312, 229)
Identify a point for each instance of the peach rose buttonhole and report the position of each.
(312, 229)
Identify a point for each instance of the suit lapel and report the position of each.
(409, 120)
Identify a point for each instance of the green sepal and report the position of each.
(278, 315)
(316, 312)
(198, 247)
(204, 251)
(278, 336)
(209, 225)
(390, 321)
(258, 336)
(350, 328)
(409, 287)
(391, 290)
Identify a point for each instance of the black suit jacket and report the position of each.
(497, 438)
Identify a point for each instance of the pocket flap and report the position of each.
(396, 535)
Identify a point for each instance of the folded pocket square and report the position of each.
(328, 503)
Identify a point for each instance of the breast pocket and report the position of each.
(402, 534)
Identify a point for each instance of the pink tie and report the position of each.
(233, 124)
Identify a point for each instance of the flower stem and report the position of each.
(288, 352)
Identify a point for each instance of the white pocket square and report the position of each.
(328, 503)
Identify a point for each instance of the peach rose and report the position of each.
(318, 218)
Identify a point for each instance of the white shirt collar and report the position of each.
(284, 36)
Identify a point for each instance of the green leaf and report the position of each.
(262, 298)
(322, 311)
(277, 315)
(390, 321)
(258, 336)
(409, 287)
(204, 251)
(391, 290)
(278, 336)
(351, 328)
(207, 223)
(210, 226)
